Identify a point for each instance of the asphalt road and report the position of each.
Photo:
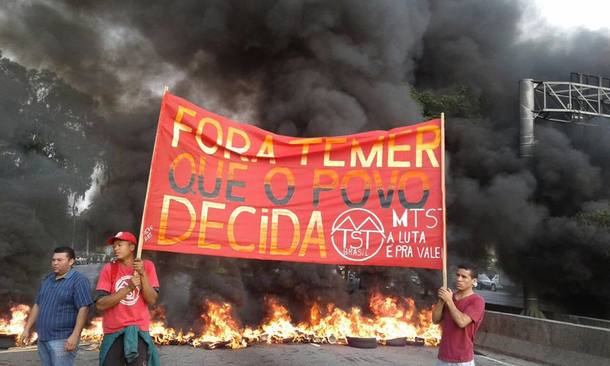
(285, 354)
(503, 298)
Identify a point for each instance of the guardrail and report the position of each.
(546, 341)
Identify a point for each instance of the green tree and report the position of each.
(598, 218)
(47, 155)
(459, 102)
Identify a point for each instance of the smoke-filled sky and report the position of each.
(81, 84)
(589, 14)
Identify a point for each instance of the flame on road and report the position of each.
(389, 317)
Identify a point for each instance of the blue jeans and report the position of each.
(53, 353)
(443, 363)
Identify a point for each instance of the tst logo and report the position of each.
(131, 297)
(357, 234)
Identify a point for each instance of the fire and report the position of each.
(329, 328)
(219, 327)
(390, 317)
(277, 326)
(16, 323)
(167, 336)
(94, 332)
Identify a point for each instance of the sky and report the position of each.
(590, 14)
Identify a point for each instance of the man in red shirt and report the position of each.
(125, 289)
(460, 315)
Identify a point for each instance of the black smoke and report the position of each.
(46, 157)
(310, 68)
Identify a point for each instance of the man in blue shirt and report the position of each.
(60, 311)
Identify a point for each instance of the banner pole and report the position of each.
(140, 237)
(443, 200)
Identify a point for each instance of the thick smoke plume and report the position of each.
(301, 68)
(46, 158)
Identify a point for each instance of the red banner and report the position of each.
(223, 188)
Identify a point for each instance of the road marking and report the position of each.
(20, 349)
(498, 361)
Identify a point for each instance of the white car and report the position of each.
(484, 282)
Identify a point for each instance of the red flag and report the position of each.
(219, 187)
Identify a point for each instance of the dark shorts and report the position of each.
(116, 356)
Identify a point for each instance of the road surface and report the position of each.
(278, 355)
(503, 298)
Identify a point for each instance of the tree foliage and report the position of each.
(47, 156)
(458, 102)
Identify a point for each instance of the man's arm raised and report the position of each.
(461, 319)
(437, 312)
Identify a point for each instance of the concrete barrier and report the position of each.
(583, 320)
(546, 341)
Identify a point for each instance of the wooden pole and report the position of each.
(140, 237)
(443, 199)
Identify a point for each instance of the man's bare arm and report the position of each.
(437, 312)
(81, 318)
(461, 319)
(25, 336)
(148, 292)
(108, 301)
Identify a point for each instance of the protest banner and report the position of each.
(223, 188)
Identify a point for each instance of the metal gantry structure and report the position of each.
(582, 98)
(579, 101)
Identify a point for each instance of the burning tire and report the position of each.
(362, 342)
(417, 341)
(7, 341)
(396, 342)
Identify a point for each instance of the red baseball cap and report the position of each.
(123, 235)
